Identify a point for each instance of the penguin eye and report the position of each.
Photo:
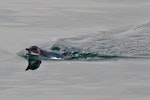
(34, 49)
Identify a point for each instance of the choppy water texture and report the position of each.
(133, 43)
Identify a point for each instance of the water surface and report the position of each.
(105, 27)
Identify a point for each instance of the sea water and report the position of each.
(109, 39)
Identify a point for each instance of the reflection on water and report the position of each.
(31, 22)
(33, 64)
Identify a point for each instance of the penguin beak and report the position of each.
(27, 49)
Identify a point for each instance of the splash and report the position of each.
(133, 43)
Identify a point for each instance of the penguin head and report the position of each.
(34, 50)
